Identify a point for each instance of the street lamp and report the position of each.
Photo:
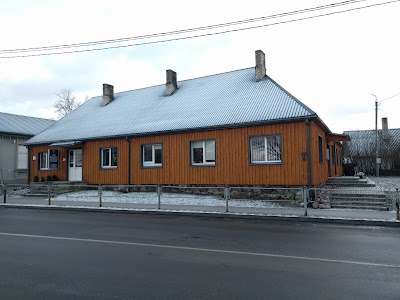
(376, 137)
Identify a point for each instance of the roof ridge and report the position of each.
(228, 99)
(364, 130)
(10, 114)
(189, 79)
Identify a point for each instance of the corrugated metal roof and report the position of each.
(227, 99)
(22, 125)
(363, 141)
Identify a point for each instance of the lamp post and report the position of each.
(376, 137)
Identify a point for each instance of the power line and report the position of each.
(234, 23)
(389, 98)
(201, 35)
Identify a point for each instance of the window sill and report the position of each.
(203, 165)
(265, 163)
(151, 166)
(108, 168)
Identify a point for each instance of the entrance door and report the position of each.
(75, 165)
(328, 161)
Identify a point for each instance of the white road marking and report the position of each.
(203, 250)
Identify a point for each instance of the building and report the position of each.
(360, 151)
(15, 130)
(233, 128)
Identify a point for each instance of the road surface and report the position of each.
(48, 254)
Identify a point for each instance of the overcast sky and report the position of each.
(332, 64)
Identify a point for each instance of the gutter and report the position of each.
(29, 165)
(308, 143)
(129, 160)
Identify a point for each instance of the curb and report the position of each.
(294, 218)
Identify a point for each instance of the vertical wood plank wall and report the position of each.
(60, 172)
(232, 159)
(320, 170)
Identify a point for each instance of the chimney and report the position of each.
(108, 93)
(385, 129)
(171, 85)
(260, 65)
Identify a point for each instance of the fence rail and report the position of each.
(291, 200)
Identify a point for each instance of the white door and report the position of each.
(75, 165)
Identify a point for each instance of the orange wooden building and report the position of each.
(234, 128)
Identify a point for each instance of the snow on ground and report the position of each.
(166, 198)
(386, 182)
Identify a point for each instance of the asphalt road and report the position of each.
(71, 255)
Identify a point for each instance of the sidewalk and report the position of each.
(338, 216)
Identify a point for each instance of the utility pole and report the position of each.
(376, 137)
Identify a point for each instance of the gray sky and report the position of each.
(332, 64)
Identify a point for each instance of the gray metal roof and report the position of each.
(227, 99)
(363, 141)
(22, 125)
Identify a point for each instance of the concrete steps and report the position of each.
(353, 192)
(366, 200)
(350, 181)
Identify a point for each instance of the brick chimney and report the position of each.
(171, 86)
(260, 65)
(108, 93)
(385, 129)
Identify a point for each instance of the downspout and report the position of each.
(29, 165)
(308, 142)
(129, 160)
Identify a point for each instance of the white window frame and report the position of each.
(152, 163)
(40, 155)
(22, 157)
(109, 166)
(265, 161)
(204, 146)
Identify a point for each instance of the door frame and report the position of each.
(74, 162)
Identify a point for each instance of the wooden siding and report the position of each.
(232, 159)
(60, 172)
(320, 170)
(91, 168)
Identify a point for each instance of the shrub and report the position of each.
(36, 179)
(54, 178)
(48, 178)
(42, 179)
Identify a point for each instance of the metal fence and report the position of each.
(300, 201)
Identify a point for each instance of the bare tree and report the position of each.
(66, 103)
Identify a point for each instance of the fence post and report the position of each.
(305, 199)
(159, 196)
(5, 194)
(49, 193)
(397, 204)
(100, 195)
(226, 196)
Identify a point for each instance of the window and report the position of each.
(43, 160)
(152, 155)
(265, 149)
(202, 152)
(109, 157)
(320, 154)
(22, 162)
